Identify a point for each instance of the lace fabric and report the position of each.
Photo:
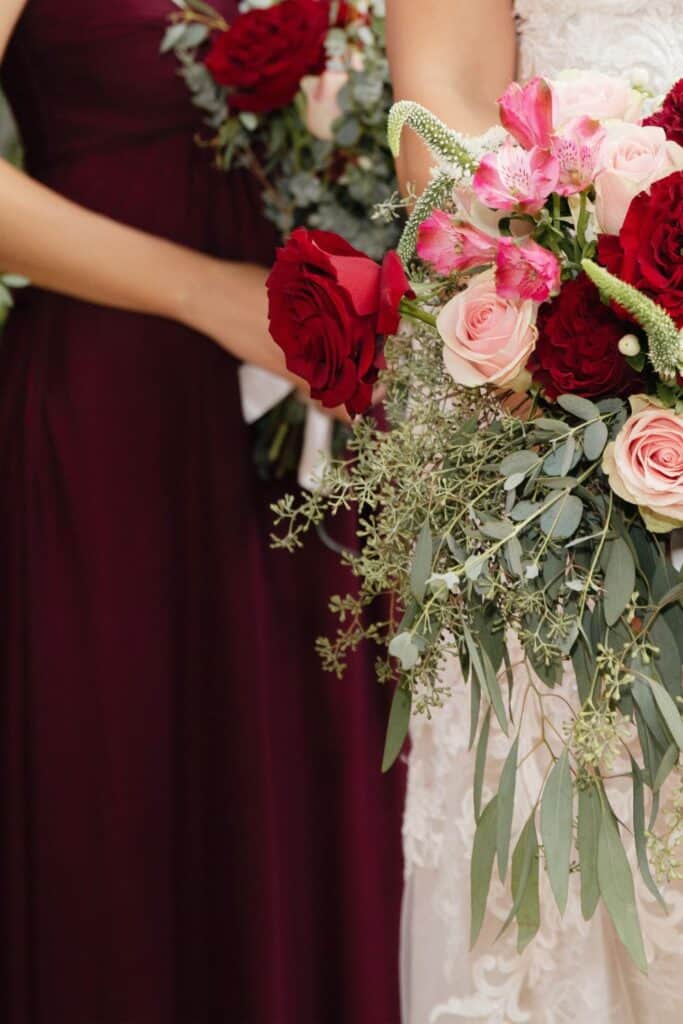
(573, 971)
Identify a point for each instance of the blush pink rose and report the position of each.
(526, 271)
(322, 106)
(592, 94)
(577, 150)
(632, 158)
(645, 464)
(450, 245)
(487, 339)
(516, 178)
(526, 112)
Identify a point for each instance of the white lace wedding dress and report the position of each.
(573, 972)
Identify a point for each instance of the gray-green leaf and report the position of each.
(506, 805)
(639, 833)
(397, 728)
(616, 887)
(669, 712)
(556, 827)
(480, 763)
(589, 830)
(483, 852)
(620, 580)
(421, 568)
(563, 517)
(595, 438)
(582, 408)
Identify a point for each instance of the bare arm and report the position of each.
(65, 248)
(453, 56)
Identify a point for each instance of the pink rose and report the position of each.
(526, 111)
(577, 149)
(631, 159)
(592, 94)
(526, 271)
(514, 177)
(645, 464)
(487, 339)
(449, 245)
(322, 107)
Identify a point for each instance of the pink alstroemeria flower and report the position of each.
(577, 149)
(526, 271)
(526, 111)
(516, 178)
(449, 245)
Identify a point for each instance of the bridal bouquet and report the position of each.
(519, 506)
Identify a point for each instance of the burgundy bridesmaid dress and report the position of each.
(193, 825)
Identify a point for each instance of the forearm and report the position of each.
(453, 56)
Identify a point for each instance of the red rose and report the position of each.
(670, 117)
(329, 304)
(265, 54)
(647, 252)
(577, 349)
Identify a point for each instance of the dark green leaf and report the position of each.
(506, 804)
(588, 832)
(397, 729)
(421, 568)
(480, 764)
(483, 852)
(620, 580)
(616, 887)
(556, 827)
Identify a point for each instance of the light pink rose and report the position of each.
(577, 149)
(322, 106)
(645, 464)
(526, 112)
(592, 94)
(487, 339)
(449, 245)
(514, 177)
(526, 271)
(632, 158)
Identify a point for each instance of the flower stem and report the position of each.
(413, 311)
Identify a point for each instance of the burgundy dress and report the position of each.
(193, 825)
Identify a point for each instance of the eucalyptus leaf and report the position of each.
(548, 426)
(406, 647)
(483, 853)
(421, 567)
(669, 712)
(513, 556)
(172, 36)
(524, 510)
(616, 887)
(639, 833)
(475, 704)
(562, 518)
(620, 580)
(666, 766)
(480, 764)
(595, 438)
(588, 832)
(556, 827)
(668, 661)
(519, 462)
(644, 698)
(506, 804)
(582, 408)
(481, 664)
(529, 909)
(514, 481)
(526, 850)
(560, 461)
(195, 35)
(397, 728)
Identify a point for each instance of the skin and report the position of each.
(455, 57)
(65, 248)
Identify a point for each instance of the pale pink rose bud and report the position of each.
(449, 245)
(593, 94)
(516, 178)
(526, 271)
(526, 111)
(632, 157)
(487, 339)
(645, 464)
(577, 149)
(322, 106)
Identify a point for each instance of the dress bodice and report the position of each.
(613, 36)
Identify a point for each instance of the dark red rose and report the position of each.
(265, 53)
(648, 250)
(329, 306)
(577, 350)
(670, 117)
